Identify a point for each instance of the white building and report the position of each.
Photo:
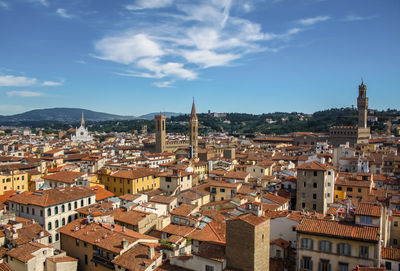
(52, 208)
(82, 134)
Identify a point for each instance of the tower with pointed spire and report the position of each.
(193, 133)
(82, 121)
(82, 134)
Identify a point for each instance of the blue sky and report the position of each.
(133, 57)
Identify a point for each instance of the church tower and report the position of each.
(160, 133)
(82, 121)
(362, 105)
(193, 133)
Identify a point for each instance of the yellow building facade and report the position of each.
(14, 180)
(129, 181)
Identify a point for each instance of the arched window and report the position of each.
(63, 222)
(56, 210)
(49, 226)
(49, 212)
(63, 208)
(57, 236)
(69, 206)
(56, 224)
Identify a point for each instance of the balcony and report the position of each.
(103, 261)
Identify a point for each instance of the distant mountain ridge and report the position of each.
(72, 115)
(62, 114)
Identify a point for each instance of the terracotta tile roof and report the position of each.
(166, 266)
(184, 209)
(275, 198)
(101, 193)
(368, 209)
(64, 176)
(339, 230)
(52, 196)
(179, 230)
(136, 258)
(224, 184)
(106, 236)
(133, 174)
(313, 166)
(213, 232)
(24, 252)
(390, 253)
(281, 242)
(236, 175)
(162, 199)
(251, 219)
(30, 232)
(5, 267)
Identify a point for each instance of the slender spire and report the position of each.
(193, 114)
(362, 81)
(82, 121)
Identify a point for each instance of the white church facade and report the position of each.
(82, 133)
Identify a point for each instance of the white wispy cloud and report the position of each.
(127, 48)
(24, 93)
(351, 18)
(81, 61)
(190, 37)
(63, 13)
(313, 20)
(3, 4)
(16, 81)
(144, 4)
(42, 2)
(53, 83)
(164, 84)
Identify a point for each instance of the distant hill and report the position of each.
(62, 115)
(150, 116)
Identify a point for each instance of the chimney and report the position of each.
(151, 252)
(41, 234)
(123, 228)
(124, 244)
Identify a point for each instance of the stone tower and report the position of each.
(193, 133)
(247, 243)
(362, 105)
(160, 133)
(82, 121)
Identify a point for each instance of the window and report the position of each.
(56, 210)
(82, 203)
(89, 201)
(209, 268)
(76, 204)
(278, 253)
(306, 263)
(57, 237)
(213, 190)
(314, 206)
(349, 189)
(304, 184)
(307, 243)
(396, 223)
(49, 226)
(394, 241)
(314, 196)
(56, 224)
(388, 265)
(22, 209)
(63, 222)
(315, 185)
(343, 266)
(77, 242)
(366, 220)
(86, 259)
(63, 208)
(69, 206)
(303, 205)
(50, 239)
(315, 173)
(363, 252)
(222, 190)
(324, 265)
(325, 246)
(359, 190)
(41, 212)
(339, 188)
(344, 249)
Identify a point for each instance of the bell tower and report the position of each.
(160, 133)
(193, 133)
(362, 105)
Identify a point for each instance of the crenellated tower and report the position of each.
(362, 105)
(160, 133)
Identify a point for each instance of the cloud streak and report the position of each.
(24, 93)
(351, 18)
(149, 4)
(313, 20)
(16, 81)
(63, 13)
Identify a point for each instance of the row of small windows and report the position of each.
(22, 187)
(128, 181)
(56, 208)
(344, 132)
(349, 189)
(57, 224)
(15, 179)
(326, 246)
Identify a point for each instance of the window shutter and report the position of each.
(311, 265)
(301, 263)
(319, 266)
(312, 244)
(329, 247)
(329, 267)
